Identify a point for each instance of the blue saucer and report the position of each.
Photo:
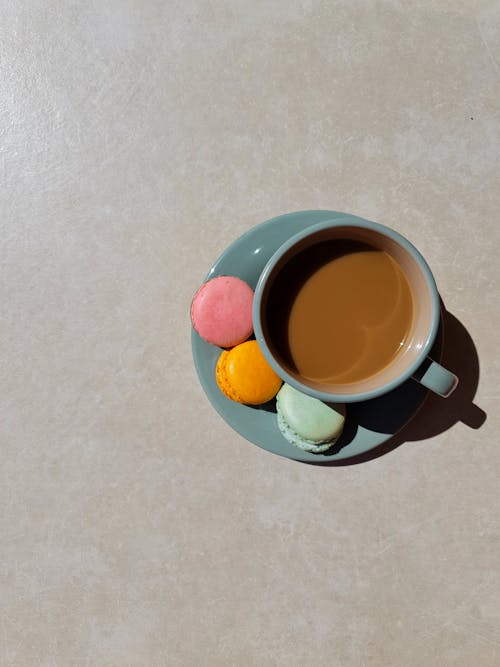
(368, 424)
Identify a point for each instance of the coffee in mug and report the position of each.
(339, 311)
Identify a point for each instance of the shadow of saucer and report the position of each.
(436, 414)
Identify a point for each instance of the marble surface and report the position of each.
(137, 140)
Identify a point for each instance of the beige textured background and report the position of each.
(138, 138)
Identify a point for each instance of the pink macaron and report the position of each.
(221, 311)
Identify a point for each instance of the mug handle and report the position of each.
(437, 378)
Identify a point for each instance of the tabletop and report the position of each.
(139, 139)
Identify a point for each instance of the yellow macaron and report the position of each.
(243, 375)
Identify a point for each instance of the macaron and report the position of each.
(243, 375)
(221, 311)
(307, 422)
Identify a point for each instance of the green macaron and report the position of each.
(307, 422)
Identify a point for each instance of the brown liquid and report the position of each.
(339, 312)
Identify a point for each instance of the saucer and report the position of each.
(368, 424)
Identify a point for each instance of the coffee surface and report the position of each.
(339, 312)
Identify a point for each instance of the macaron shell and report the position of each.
(245, 376)
(309, 418)
(221, 378)
(221, 311)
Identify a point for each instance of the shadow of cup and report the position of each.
(439, 414)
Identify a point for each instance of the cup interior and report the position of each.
(423, 325)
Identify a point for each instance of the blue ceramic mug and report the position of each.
(412, 361)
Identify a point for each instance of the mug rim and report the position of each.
(331, 397)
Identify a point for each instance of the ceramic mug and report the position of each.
(411, 362)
